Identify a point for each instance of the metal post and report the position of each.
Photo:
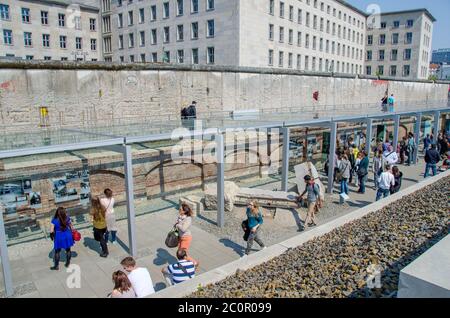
(7, 275)
(331, 155)
(285, 162)
(437, 117)
(417, 136)
(220, 180)
(129, 187)
(368, 135)
(396, 129)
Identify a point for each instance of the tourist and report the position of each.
(385, 182)
(183, 225)
(99, 223)
(192, 110)
(313, 198)
(426, 143)
(398, 180)
(384, 102)
(411, 148)
(403, 149)
(432, 158)
(344, 170)
(443, 146)
(391, 102)
(363, 170)
(108, 205)
(139, 277)
(254, 220)
(390, 156)
(377, 167)
(122, 286)
(61, 233)
(183, 270)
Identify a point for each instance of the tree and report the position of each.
(433, 78)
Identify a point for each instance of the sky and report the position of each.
(440, 9)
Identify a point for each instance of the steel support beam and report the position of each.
(396, 129)
(417, 136)
(369, 133)
(331, 155)
(437, 117)
(220, 149)
(285, 162)
(129, 188)
(7, 274)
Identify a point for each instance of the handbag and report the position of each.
(246, 230)
(76, 235)
(172, 238)
(362, 172)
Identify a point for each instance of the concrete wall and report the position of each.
(98, 93)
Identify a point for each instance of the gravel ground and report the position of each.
(335, 265)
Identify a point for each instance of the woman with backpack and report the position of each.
(99, 223)
(254, 222)
(313, 197)
(61, 233)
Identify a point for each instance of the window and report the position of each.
(119, 3)
(314, 43)
(166, 35)
(47, 58)
(306, 63)
(27, 39)
(270, 57)
(291, 13)
(29, 57)
(321, 45)
(25, 15)
(4, 11)
(142, 38)
(210, 55)
(280, 59)
(93, 45)
(154, 36)
(210, 29)
(180, 56)
(272, 7)
(130, 18)
(121, 59)
(180, 7)
(78, 43)
(395, 38)
(406, 70)
(313, 64)
(166, 10)
(195, 56)
(315, 3)
(396, 24)
(210, 5)
(153, 13)
(383, 25)
(321, 64)
(44, 17)
(77, 23)
(409, 23)
(180, 32)
(307, 41)
(281, 9)
(130, 40)
(64, 59)
(315, 22)
(369, 56)
(381, 55)
(62, 41)
(271, 32)
(407, 54)
(154, 57)
(409, 38)
(61, 20)
(92, 24)
(299, 38)
(328, 26)
(120, 20)
(132, 58)
(281, 34)
(299, 17)
(393, 70)
(394, 54)
(291, 37)
(194, 30)
(368, 70)
(307, 19)
(143, 57)
(46, 40)
(141, 16)
(322, 6)
(120, 42)
(321, 24)
(382, 39)
(194, 6)
(380, 70)
(299, 61)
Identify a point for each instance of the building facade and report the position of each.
(49, 30)
(400, 46)
(309, 35)
(441, 56)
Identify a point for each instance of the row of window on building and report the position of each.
(47, 58)
(62, 20)
(179, 57)
(337, 14)
(407, 55)
(395, 39)
(406, 71)
(166, 38)
(180, 9)
(312, 63)
(28, 40)
(395, 24)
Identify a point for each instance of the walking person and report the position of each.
(181, 271)
(108, 205)
(122, 286)
(377, 167)
(363, 171)
(426, 143)
(384, 102)
(99, 223)
(183, 225)
(139, 277)
(313, 198)
(61, 233)
(344, 170)
(385, 182)
(403, 149)
(398, 175)
(432, 158)
(391, 102)
(411, 148)
(254, 221)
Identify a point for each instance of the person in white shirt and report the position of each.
(139, 277)
(390, 156)
(108, 205)
(385, 181)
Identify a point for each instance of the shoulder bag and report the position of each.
(172, 238)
